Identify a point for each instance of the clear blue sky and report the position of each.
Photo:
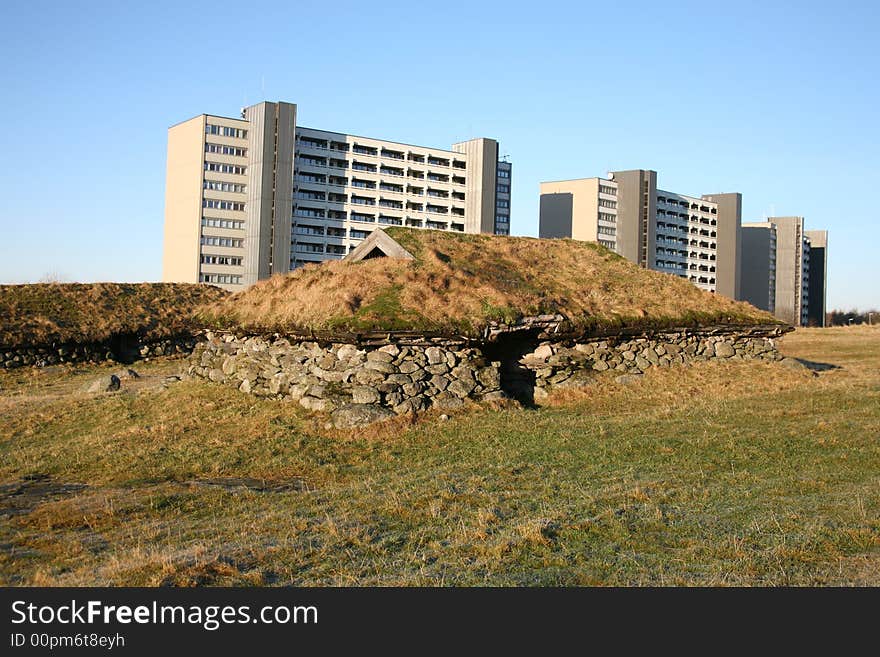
(777, 100)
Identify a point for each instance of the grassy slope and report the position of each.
(44, 313)
(723, 473)
(458, 283)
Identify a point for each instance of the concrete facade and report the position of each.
(816, 312)
(694, 238)
(253, 196)
(784, 269)
(758, 266)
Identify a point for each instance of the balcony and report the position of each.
(395, 155)
(365, 150)
(436, 225)
(362, 200)
(458, 164)
(360, 166)
(338, 164)
(419, 175)
(339, 146)
(414, 157)
(437, 162)
(391, 221)
(458, 180)
(437, 177)
(391, 171)
(308, 142)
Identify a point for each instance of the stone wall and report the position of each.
(401, 378)
(380, 381)
(124, 349)
(571, 364)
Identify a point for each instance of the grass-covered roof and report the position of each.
(459, 284)
(47, 313)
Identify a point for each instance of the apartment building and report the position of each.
(784, 269)
(758, 269)
(818, 287)
(694, 238)
(253, 196)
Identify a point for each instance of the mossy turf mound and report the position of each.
(47, 313)
(460, 284)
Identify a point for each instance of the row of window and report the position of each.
(219, 167)
(501, 203)
(607, 244)
(208, 259)
(227, 279)
(605, 189)
(230, 242)
(607, 230)
(213, 222)
(220, 186)
(225, 131)
(502, 189)
(223, 149)
(504, 173)
(610, 218)
(606, 203)
(216, 204)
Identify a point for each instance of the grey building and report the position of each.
(784, 269)
(697, 238)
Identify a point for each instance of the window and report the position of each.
(305, 229)
(393, 221)
(357, 216)
(336, 248)
(605, 189)
(309, 247)
(503, 204)
(212, 222)
(223, 149)
(605, 203)
(359, 234)
(610, 218)
(503, 173)
(227, 279)
(309, 212)
(219, 186)
(214, 204)
(607, 230)
(607, 244)
(218, 167)
(234, 261)
(502, 189)
(229, 242)
(225, 131)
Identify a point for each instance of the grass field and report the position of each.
(722, 473)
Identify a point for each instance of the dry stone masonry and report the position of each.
(354, 383)
(360, 384)
(553, 365)
(125, 349)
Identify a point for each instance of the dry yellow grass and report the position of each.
(458, 283)
(44, 313)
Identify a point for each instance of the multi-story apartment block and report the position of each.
(784, 269)
(250, 197)
(694, 238)
(817, 290)
(758, 269)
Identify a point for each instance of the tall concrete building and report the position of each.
(249, 197)
(694, 238)
(784, 269)
(816, 311)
